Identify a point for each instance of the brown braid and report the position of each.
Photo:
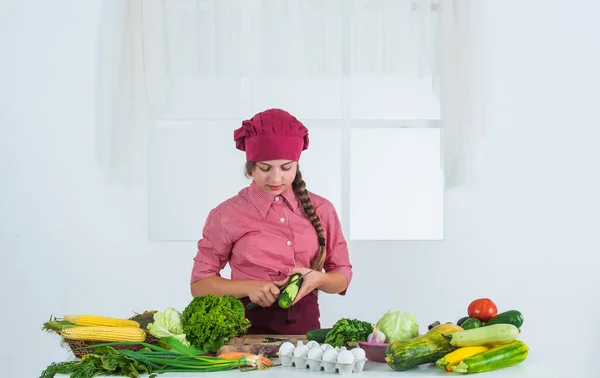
(301, 193)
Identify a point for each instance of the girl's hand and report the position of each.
(264, 293)
(311, 282)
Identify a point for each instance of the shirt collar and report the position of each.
(263, 200)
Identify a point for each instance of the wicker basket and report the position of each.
(74, 345)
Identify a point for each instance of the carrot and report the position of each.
(256, 360)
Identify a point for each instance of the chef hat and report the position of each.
(271, 135)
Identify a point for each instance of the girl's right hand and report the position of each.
(264, 293)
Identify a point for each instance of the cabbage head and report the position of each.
(398, 325)
(168, 324)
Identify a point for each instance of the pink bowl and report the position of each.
(374, 351)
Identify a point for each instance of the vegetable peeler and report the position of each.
(251, 305)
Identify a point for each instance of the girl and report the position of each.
(272, 229)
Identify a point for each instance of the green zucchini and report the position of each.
(471, 323)
(406, 354)
(489, 335)
(498, 357)
(318, 335)
(287, 296)
(513, 317)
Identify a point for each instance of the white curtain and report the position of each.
(131, 85)
(460, 78)
(146, 43)
(299, 37)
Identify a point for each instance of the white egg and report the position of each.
(286, 349)
(312, 344)
(315, 353)
(326, 347)
(359, 354)
(301, 351)
(345, 357)
(330, 355)
(299, 343)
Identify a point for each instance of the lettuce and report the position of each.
(168, 323)
(398, 325)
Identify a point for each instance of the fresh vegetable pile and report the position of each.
(484, 340)
(156, 341)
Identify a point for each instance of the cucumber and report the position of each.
(461, 320)
(495, 334)
(498, 357)
(318, 335)
(471, 323)
(287, 296)
(513, 317)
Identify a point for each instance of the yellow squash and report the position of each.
(453, 358)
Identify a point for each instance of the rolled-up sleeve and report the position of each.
(214, 249)
(338, 257)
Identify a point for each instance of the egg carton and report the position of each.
(324, 358)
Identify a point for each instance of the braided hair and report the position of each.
(299, 187)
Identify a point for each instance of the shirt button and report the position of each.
(282, 220)
(276, 198)
(289, 242)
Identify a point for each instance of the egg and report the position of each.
(286, 349)
(315, 354)
(326, 347)
(312, 344)
(301, 351)
(330, 355)
(345, 357)
(359, 354)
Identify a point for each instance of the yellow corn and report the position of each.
(94, 320)
(455, 357)
(102, 333)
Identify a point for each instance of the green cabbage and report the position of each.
(398, 325)
(168, 323)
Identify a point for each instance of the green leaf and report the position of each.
(177, 345)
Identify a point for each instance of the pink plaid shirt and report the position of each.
(263, 236)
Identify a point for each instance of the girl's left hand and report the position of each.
(311, 282)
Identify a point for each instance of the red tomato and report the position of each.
(483, 309)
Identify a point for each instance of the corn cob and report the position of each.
(103, 333)
(94, 320)
(453, 358)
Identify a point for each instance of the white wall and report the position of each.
(524, 235)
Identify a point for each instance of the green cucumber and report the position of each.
(471, 323)
(513, 317)
(461, 320)
(498, 357)
(287, 296)
(318, 335)
(495, 334)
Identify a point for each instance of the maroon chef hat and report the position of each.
(271, 135)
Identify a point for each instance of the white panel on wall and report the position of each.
(321, 163)
(391, 98)
(194, 97)
(396, 184)
(190, 173)
(306, 98)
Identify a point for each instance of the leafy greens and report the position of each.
(210, 321)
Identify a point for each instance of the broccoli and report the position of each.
(210, 321)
